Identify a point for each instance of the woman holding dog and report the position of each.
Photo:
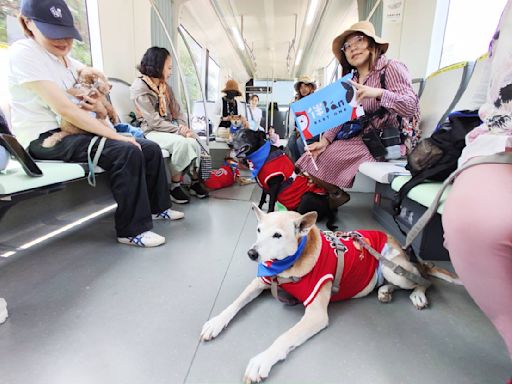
(164, 123)
(360, 51)
(40, 73)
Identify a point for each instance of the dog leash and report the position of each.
(395, 268)
(93, 162)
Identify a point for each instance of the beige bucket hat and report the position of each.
(364, 27)
(305, 79)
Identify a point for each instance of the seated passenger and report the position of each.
(358, 49)
(305, 86)
(231, 111)
(164, 123)
(254, 114)
(477, 215)
(40, 72)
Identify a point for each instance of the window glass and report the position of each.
(10, 31)
(329, 74)
(189, 72)
(213, 90)
(469, 29)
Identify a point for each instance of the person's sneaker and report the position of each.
(197, 190)
(169, 214)
(178, 196)
(3, 310)
(145, 239)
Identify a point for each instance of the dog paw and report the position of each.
(212, 328)
(258, 368)
(419, 300)
(3, 311)
(384, 296)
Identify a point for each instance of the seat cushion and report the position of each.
(14, 179)
(423, 193)
(382, 172)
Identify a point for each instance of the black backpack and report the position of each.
(435, 158)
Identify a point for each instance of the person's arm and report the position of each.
(399, 96)
(58, 101)
(146, 105)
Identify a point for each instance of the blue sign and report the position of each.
(326, 108)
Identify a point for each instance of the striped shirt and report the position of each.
(339, 163)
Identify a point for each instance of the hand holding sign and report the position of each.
(317, 148)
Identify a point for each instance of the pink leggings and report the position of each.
(477, 221)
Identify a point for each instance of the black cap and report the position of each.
(52, 17)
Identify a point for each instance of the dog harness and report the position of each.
(355, 268)
(293, 187)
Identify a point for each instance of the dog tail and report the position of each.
(431, 269)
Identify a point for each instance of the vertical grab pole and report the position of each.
(266, 106)
(175, 54)
(272, 101)
(203, 93)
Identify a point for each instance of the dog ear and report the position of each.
(259, 213)
(262, 137)
(305, 223)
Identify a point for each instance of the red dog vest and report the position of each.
(359, 269)
(291, 194)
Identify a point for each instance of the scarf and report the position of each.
(161, 92)
(272, 268)
(257, 158)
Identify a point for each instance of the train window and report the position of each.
(331, 72)
(10, 30)
(469, 29)
(188, 66)
(213, 78)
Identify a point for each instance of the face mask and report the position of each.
(231, 94)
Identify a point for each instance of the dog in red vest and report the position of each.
(275, 174)
(317, 268)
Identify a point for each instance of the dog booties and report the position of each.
(358, 271)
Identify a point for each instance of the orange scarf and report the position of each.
(161, 92)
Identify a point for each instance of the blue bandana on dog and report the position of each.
(272, 268)
(257, 158)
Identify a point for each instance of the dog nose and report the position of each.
(253, 254)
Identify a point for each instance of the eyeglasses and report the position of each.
(356, 42)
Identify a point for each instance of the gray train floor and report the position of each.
(84, 309)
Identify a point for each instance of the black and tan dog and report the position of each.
(297, 257)
(276, 175)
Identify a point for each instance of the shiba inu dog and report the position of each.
(317, 268)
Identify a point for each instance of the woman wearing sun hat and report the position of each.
(229, 106)
(360, 51)
(304, 86)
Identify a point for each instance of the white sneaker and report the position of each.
(3, 310)
(169, 214)
(145, 239)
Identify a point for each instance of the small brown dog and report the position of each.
(92, 83)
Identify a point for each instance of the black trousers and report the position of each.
(137, 178)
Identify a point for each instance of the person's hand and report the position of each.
(93, 104)
(364, 91)
(129, 139)
(186, 131)
(317, 148)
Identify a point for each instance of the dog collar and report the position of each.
(272, 268)
(257, 158)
